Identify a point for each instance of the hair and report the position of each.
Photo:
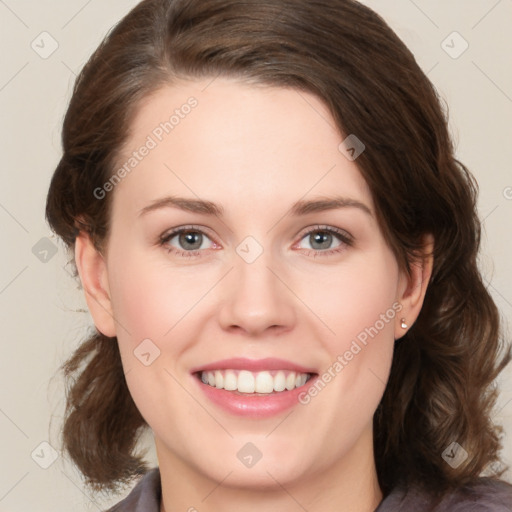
(441, 386)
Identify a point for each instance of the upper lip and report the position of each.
(254, 365)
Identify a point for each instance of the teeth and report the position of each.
(279, 382)
(264, 383)
(290, 381)
(230, 381)
(254, 382)
(219, 380)
(245, 382)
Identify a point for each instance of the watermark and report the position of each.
(249, 249)
(351, 147)
(454, 455)
(507, 193)
(454, 45)
(343, 360)
(249, 455)
(45, 45)
(146, 352)
(495, 467)
(44, 250)
(152, 141)
(44, 455)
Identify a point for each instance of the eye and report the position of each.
(186, 241)
(321, 239)
(191, 241)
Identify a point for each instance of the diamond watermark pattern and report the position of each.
(147, 352)
(454, 45)
(44, 250)
(249, 455)
(455, 455)
(351, 147)
(44, 45)
(249, 249)
(44, 455)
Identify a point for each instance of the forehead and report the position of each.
(231, 141)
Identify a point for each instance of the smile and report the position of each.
(248, 382)
(253, 388)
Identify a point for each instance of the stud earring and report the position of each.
(403, 325)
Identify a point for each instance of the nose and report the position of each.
(256, 299)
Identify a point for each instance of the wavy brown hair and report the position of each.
(441, 387)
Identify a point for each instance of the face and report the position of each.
(275, 280)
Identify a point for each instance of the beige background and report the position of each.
(39, 300)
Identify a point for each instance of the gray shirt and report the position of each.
(486, 495)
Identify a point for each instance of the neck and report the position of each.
(348, 485)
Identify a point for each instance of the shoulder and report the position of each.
(144, 497)
(482, 495)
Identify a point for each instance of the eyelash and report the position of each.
(342, 236)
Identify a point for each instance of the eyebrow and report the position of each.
(301, 207)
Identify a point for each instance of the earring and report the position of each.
(403, 325)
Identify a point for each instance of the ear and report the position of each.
(413, 287)
(92, 270)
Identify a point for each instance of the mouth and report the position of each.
(254, 383)
(252, 388)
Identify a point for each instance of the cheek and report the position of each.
(359, 297)
(361, 307)
(149, 298)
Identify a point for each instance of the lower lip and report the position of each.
(254, 406)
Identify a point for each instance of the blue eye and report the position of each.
(191, 241)
(321, 238)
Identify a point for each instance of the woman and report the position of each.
(278, 249)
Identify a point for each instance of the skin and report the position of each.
(254, 151)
